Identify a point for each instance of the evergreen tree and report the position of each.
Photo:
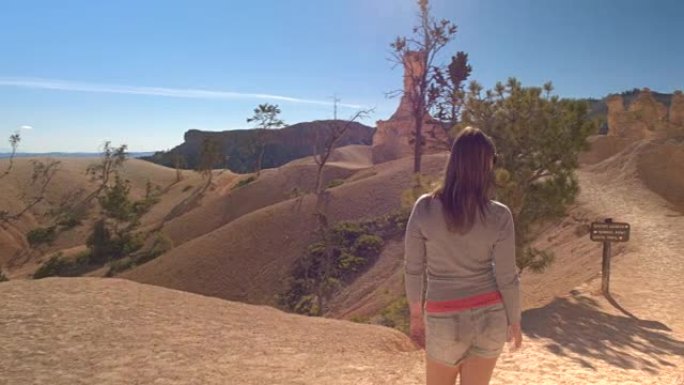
(265, 117)
(211, 155)
(538, 137)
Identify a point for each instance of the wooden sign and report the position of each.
(609, 232)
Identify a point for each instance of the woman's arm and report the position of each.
(505, 269)
(414, 261)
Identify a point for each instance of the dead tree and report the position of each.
(417, 55)
(324, 145)
(34, 192)
(14, 140)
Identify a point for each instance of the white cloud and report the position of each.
(25, 127)
(63, 85)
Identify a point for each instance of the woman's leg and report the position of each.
(437, 373)
(477, 370)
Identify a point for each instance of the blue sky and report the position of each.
(144, 72)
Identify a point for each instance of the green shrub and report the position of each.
(308, 305)
(41, 235)
(70, 211)
(57, 266)
(83, 258)
(352, 247)
(368, 245)
(131, 242)
(143, 206)
(396, 315)
(69, 221)
(335, 183)
(161, 244)
(119, 266)
(244, 182)
(105, 246)
(3, 277)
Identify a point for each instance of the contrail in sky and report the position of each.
(64, 85)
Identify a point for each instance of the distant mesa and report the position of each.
(393, 137)
(282, 145)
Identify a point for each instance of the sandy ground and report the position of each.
(639, 339)
(112, 331)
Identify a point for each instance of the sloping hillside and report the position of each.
(231, 202)
(247, 258)
(186, 209)
(71, 178)
(657, 163)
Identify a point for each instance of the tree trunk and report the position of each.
(418, 145)
(319, 179)
(260, 159)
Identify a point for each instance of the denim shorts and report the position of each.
(451, 337)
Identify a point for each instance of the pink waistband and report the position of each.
(463, 303)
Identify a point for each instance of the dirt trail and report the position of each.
(639, 337)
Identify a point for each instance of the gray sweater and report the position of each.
(457, 266)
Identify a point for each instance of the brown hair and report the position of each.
(468, 181)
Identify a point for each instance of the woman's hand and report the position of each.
(417, 329)
(515, 336)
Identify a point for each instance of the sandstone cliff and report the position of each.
(644, 117)
(677, 109)
(282, 145)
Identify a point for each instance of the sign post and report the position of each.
(605, 268)
(607, 232)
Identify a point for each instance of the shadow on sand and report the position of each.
(577, 327)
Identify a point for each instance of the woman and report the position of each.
(465, 244)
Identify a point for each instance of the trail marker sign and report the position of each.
(607, 232)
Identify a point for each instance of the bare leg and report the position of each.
(477, 370)
(437, 373)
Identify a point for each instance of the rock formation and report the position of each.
(677, 109)
(644, 118)
(393, 138)
(647, 116)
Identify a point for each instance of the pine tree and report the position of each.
(265, 117)
(538, 137)
(211, 155)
